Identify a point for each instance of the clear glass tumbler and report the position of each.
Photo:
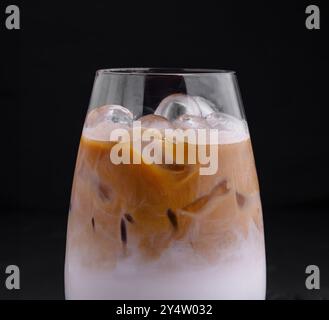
(165, 200)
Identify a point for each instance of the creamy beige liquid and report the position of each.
(142, 231)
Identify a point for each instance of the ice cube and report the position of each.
(102, 120)
(193, 124)
(231, 129)
(222, 121)
(109, 113)
(186, 121)
(176, 105)
(155, 126)
(152, 121)
(207, 107)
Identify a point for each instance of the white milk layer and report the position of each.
(240, 273)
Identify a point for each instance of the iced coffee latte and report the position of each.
(155, 225)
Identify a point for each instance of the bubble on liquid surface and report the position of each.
(176, 105)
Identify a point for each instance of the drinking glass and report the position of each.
(155, 215)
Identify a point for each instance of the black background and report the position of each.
(47, 73)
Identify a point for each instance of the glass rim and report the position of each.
(166, 71)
